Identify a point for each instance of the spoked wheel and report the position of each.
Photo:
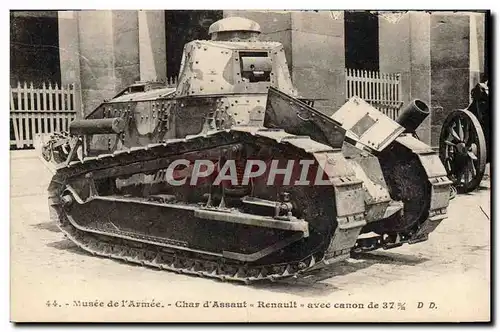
(462, 149)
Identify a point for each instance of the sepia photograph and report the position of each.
(245, 166)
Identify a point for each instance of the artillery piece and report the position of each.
(465, 141)
(231, 175)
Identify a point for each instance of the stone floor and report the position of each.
(451, 269)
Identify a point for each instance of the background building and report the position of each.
(436, 57)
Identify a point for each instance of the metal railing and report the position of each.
(40, 111)
(382, 90)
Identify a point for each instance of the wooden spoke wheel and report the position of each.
(462, 149)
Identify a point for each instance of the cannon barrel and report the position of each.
(413, 115)
(97, 126)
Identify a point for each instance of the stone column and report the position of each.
(404, 47)
(108, 53)
(69, 54)
(395, 49)
(96, 57)
(476, 45)
(152, 45)
(450, 43)
(125, 43)
(420, 69)
(318, 57)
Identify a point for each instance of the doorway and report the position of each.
(34, 47)
(361, 40)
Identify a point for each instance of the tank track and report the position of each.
(132, 251)
(139, 249)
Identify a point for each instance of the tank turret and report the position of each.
(234, 62)
(234, 29)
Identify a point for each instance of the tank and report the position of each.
(232, 175)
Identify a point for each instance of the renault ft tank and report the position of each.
(231, 175)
